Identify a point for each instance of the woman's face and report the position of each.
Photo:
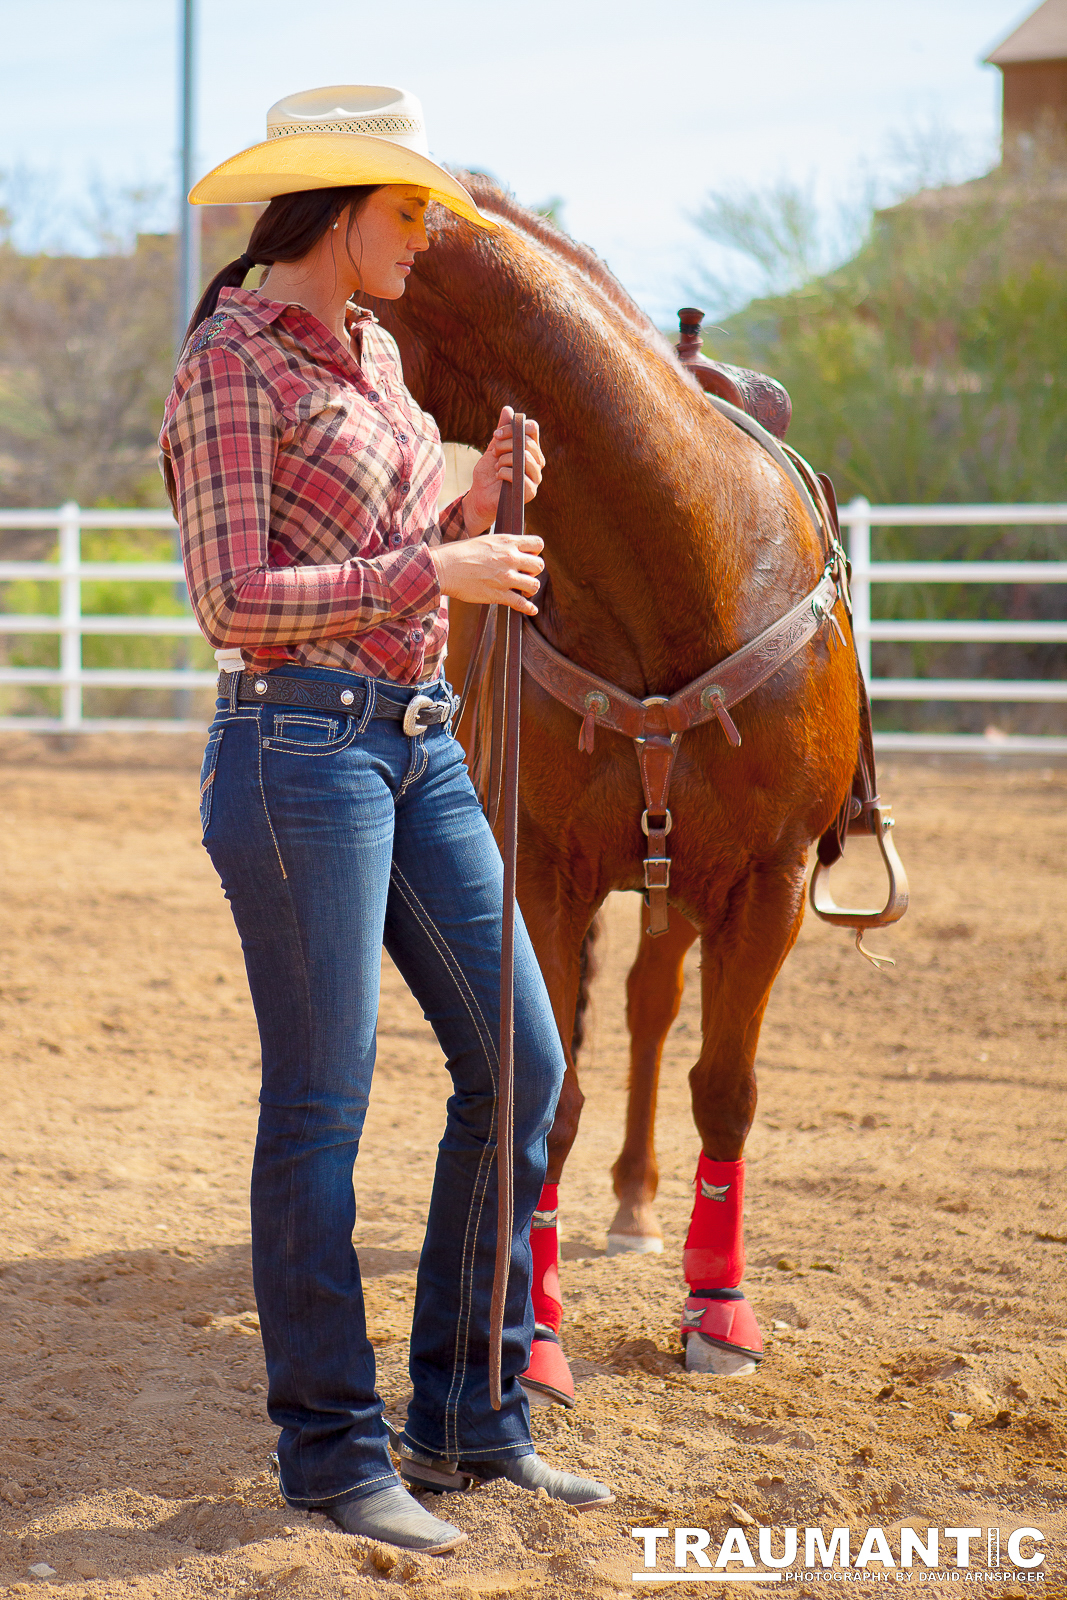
(385, 235)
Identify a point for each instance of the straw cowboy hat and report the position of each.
(329, 138)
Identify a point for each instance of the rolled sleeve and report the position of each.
(452, 523)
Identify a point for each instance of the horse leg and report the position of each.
(742, 956)
(653, 996)
(559, 953)
(548, 1373)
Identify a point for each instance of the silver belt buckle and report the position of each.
(416, 704)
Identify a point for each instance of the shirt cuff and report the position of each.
(451, 522)
(413, 586)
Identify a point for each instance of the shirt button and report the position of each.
(404, 487)
(395, 540)
(374, 395)
(401, 438)
(415, 635)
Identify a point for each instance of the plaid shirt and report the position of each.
(305, 479)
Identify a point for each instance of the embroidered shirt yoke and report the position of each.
(305, 480)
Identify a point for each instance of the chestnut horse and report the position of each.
(671, 539)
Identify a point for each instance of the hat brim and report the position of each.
(298, 161)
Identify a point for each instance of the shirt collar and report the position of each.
(253, 312)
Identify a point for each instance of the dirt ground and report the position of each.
(907, 1225)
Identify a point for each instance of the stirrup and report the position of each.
(896, 903)
(422, 1471)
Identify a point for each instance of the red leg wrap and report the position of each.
(544, 1244)
(714, 1261)
(548, 1372)
(715, 1247)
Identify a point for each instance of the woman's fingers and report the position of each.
(533, 471)
(502, 448)
(494, 569)
(496, 466)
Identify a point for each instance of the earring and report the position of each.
(335, 227)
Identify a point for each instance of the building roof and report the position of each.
(1042, 37)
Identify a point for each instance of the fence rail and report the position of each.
(69, 571)
(858, 518)
(72, 678)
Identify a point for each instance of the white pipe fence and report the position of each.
(858, 517)
(70, 572)
(72, 678)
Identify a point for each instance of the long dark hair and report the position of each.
(291, 225)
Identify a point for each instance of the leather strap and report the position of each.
(504, 793)
(272, 688)
(710, 695)
(501, 640)
(750, 426)
(475, 665)
(655, 755)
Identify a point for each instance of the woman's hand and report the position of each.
(494, 569)
(495, 468)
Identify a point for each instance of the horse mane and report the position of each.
(481, 301)
(566, 252)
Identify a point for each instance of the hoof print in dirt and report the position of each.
(645, 1356)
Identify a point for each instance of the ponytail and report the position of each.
(291, 226)
(231, 277)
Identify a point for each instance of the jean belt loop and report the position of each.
(368, 705)
(232, 688)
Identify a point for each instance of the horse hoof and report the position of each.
(638, 1244)
(721, 1334)
(548, 1377)
(703, 1356)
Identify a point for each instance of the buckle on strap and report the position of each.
(657, 872)
(416, 715)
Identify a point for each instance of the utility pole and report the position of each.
(188, 275)
(187, 278)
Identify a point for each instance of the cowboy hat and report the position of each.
(330, 138)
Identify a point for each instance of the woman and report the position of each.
(336, 806)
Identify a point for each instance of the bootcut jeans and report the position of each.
(333, 835)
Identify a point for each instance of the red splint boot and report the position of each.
(715, 1243)
(719, 1328)
(548, 1373)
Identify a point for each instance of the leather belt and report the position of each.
(415, 714)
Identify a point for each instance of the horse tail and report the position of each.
(588, 967)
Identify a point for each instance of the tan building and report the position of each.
(1033, 61)
(1017, 213)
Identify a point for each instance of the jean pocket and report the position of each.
(304, 733)
(207, 775)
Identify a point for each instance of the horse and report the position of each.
(671, 539)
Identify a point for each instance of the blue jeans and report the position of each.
(334, 834)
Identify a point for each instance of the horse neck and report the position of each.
(628, 504)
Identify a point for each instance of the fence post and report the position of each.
(70, 615)
(858, 516)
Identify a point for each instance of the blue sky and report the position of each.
(629, 111)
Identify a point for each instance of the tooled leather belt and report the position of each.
(416, 714)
